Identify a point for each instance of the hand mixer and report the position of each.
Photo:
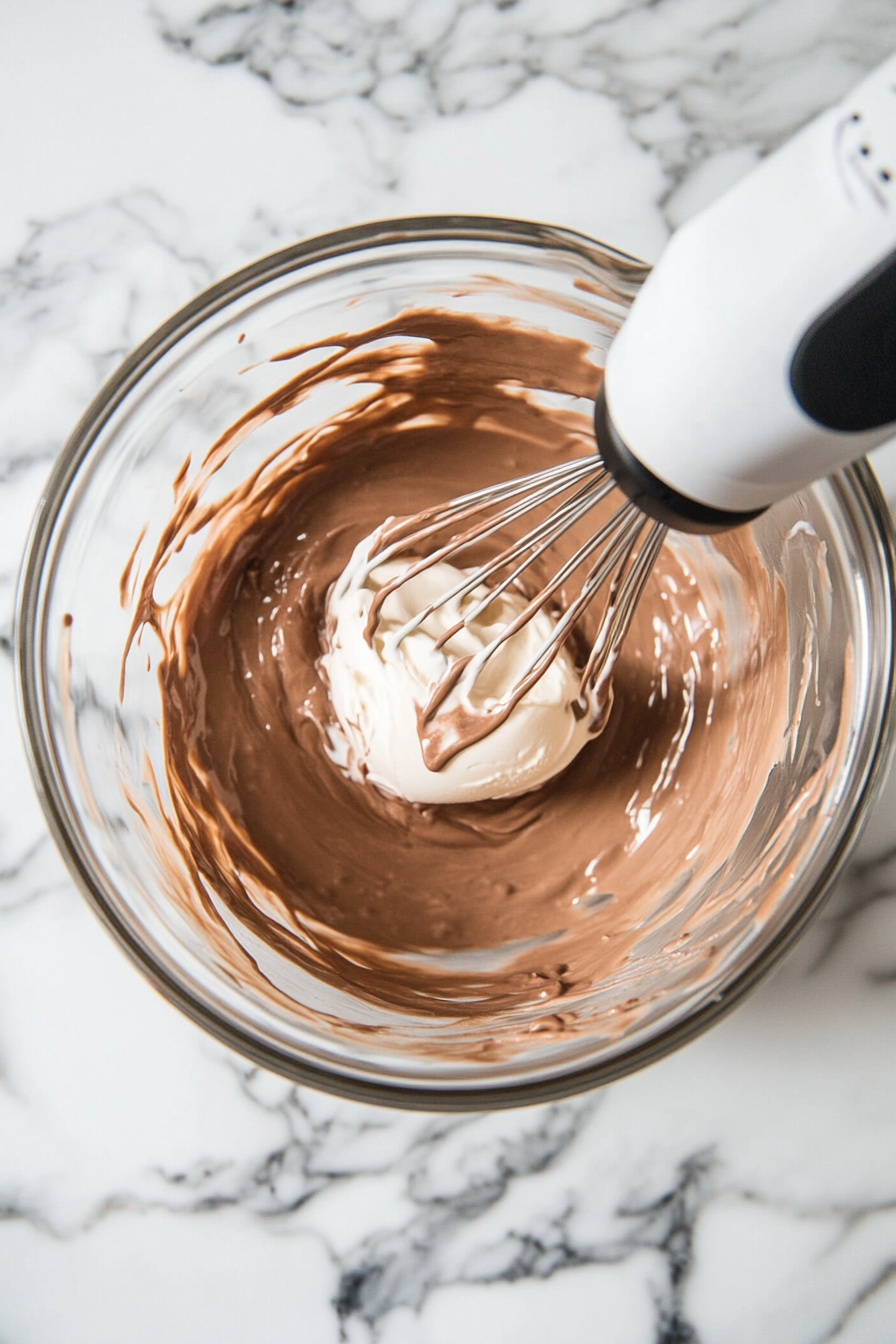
(759, 356)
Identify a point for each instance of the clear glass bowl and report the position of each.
(171, 398)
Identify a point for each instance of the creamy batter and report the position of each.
(380, 686)
(464, 909)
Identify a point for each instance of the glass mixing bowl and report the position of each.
(95, 754)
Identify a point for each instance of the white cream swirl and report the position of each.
(377, 690)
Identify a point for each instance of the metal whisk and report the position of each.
(622, 552)
(764, 376)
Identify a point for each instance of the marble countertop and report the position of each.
(154, 1186)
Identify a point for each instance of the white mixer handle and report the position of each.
(760, 354)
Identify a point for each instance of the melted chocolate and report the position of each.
(463, 910)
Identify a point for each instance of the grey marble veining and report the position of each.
(153, 1186)
(703, 85)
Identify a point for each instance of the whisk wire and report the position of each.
(617, 619)
(531, 547)
(539, 540)
(480, 532)
(408, 532)
(617, 535)
(620, 552)
(620, 535)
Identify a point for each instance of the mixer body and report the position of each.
(760, 354)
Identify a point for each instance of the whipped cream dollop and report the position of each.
(378, 687)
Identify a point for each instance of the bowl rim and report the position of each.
(28, 631)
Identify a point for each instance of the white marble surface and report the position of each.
(153, 1186)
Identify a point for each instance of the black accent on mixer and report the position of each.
(653, 496)
(844, 371)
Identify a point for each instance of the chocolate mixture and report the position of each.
(461, 910)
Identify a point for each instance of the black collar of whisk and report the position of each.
(653, 496)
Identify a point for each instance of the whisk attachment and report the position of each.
(617, 557)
